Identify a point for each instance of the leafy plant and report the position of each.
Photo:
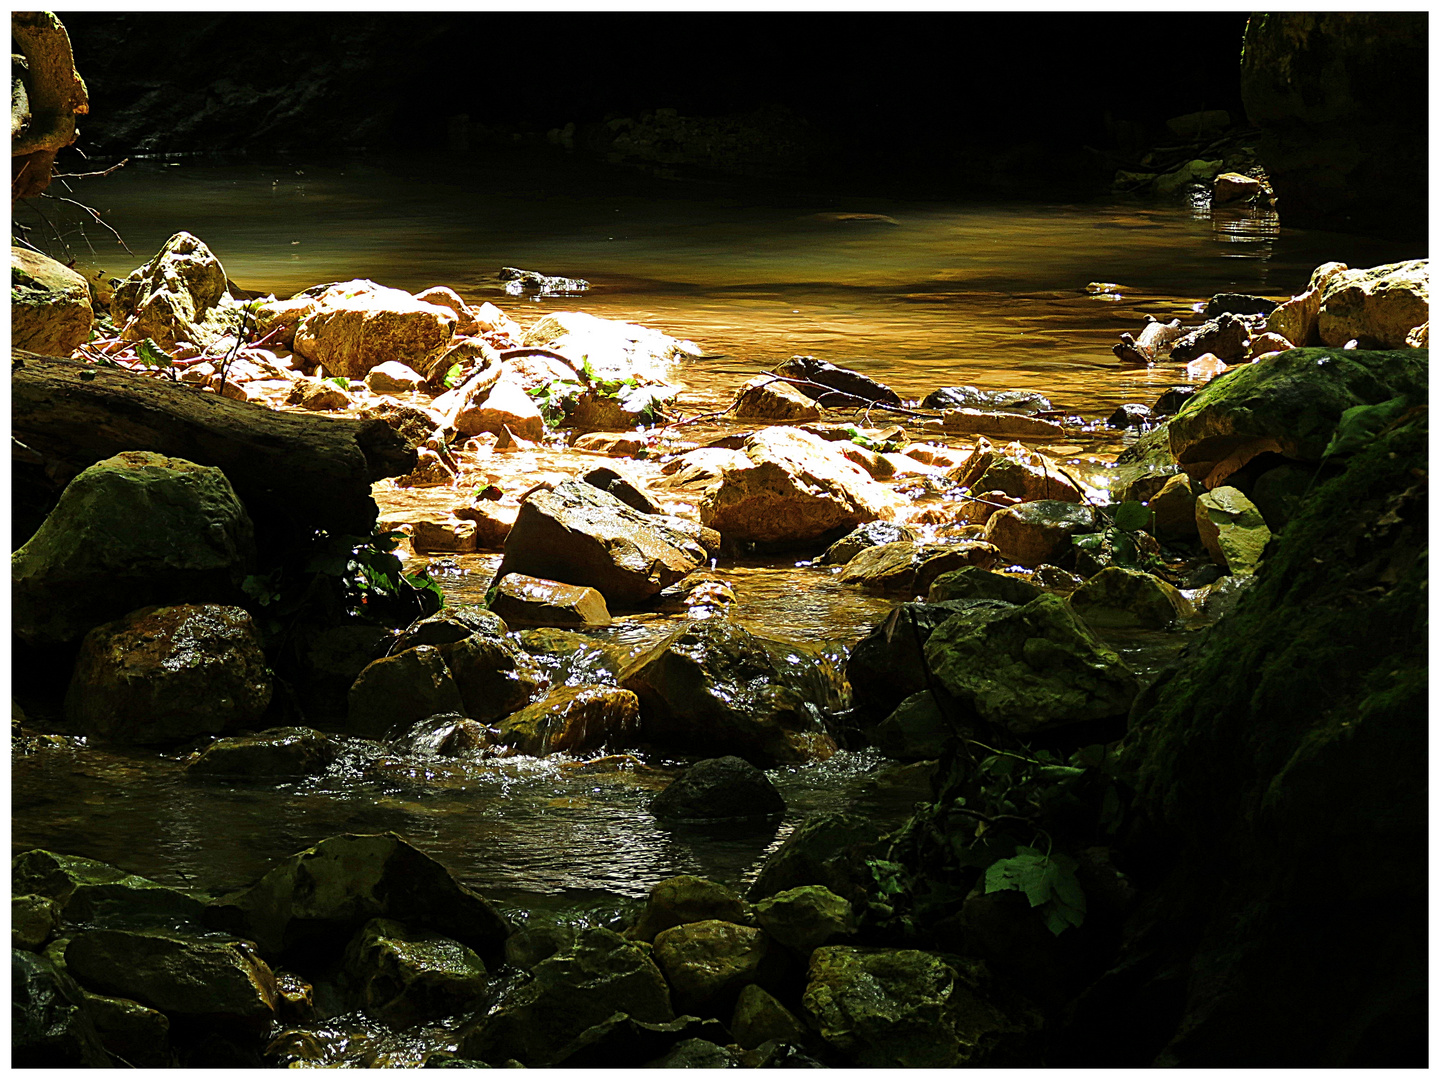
(152, 355)
(1048, 882)
(453, 376)
(880, 446)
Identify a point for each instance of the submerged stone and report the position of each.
(719, 789)
(276, 752)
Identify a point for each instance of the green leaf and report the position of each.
(1048, 882)
(452, 377)
(1087, 541)
(151, 355)
(342, 383)
(1130, 516)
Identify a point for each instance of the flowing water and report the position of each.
(918, 295)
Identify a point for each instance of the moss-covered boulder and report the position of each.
(826, 849)
(686, 899)
(177, 974)
(135, 529)
(90, 891)
(719, 789)
(805, 918)
(50, 308)
(903, 1008)
(1029, 668)
(1120, 597)
(909, 568)
(759, 1018)
(717, 688)
(276, 752)
(576, 989)
(319, 897)
(49, 1025)
(1038, 532)
(706, 963)
(1281, 779)
(405, 975)
(1290, 405)
(977, 583)
(574, 719)
(917, 730)
(33, 921)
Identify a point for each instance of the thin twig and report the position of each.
(85, 175)
(95, 214)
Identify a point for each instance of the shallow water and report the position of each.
(925, 296)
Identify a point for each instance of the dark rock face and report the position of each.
(1282, 781)
(1339, 98)
(968, 397)
(845, 387)
(719, 789)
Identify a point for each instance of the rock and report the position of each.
(580, 535)
(404, 975)
(415, 424)
(519, 282)
(1279, 494)
(1192, 172)
(903, 1008)
(319, 395)
(494, 676)
(1298, 319)
(88, 891)
(177, 974)
(1129, 416)
(1225, 337)
(833, 386)
(50, 1027)
(1290, 405)
(507, 405)
(578, 988)
(915, 731)
(1173, 400)
(179, 295)
(623, 487)
(1419, 338)
(393, 377)
(1173, 507)
(359, 325)
(50, 308)
(805, 918)
(447, 736)
(1053, 579)
(621, 1041)
(1235, 187)
(870, 534)
(1232, 529)
(46, 96)
(450, 300)
(1266, 344)
(791, 487)
(319, 897)
(718, 789)
(826, 849)
(999, 425)
(277, 752)
(1018, 472)
(530, 601)
(717, 688)
(1117, 596)
(687, 899)
(1205, 366)
(135, 1034)
(165, 674)
(33, 921)
(450, 624)
(396, 691)
(1325, 88)
(1094, 552)
(978, 583)
(968, 397)
(1380, 306)
(445, 537)
(492, 523)
(759, 1018)
(706, 963)
(886, 665)
(768, 398)
(574, 719)
(1037, 532)
(1030, 668)
(570, 658)
(135, 529)
(910, 568)
(614, 349)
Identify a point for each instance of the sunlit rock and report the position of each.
(1025, 402)
(448, 299)
(1173, 508)
(179, 295)
(909, 568)
(1017, 471)
(767, 398)
(1235, 187)
(1032, 533)
(359, 325)
(493, 522)
(135, 529)
(1298, 319)
(574, 719)
(868, 535)
(50, 308)
(1117, 596)
(612, 349)
(450, 537)
(393, 377)
(523, 600)
(1232, 529)
(162, 674)
(1380, 305)
(507, 405)
(835, 387)
(999, 425)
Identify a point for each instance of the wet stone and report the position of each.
(870, 534)
(910, 568)
(968, 397)
(33, 920)
(396, 691)
(1119, 597)
(686, 899)
(89, 891)
(276, 752)
(706, 963)
(404, 975)
(719, 789)
(1032, 533)
(530, 601)
(574, 719)
(805, 918)
(977, 583)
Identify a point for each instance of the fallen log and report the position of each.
(295, 472)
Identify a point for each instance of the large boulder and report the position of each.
(1291, 404)
(792, 487)
(909, 568)
(135, 529)
(1380, 306)
(50, 308)
(178, 974)
(706, 963)
(404, 975)
(164, 674)
(358, 325)
(181, 294)
(719, 789)
(576, 989)
(1029, 668)
(580, 535)
(320, 896)
(46, 95)
(1339, 98)
(574, 719)
(717, 688)
(96, 893)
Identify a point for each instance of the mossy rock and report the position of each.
(825, 849)
(759, 1018)
(1029, 668)
(685, 899)
(33, 921)
(805, 918)
(90, 891)
(574, 719)
(277, 752)
(707, 962)
(978, 583)
(405, 975)
(1119, 597)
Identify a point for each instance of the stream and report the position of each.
(917, 295)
